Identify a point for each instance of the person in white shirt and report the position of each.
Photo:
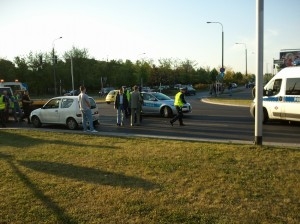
(85, 108)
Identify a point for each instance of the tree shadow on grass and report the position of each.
(62, 216)
(85, 174)
(90, 175)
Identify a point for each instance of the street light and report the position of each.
(54, 61)
(245, 55)
(222, 68)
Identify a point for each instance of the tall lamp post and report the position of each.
(54, 62)
(245, 55)
(222, 68)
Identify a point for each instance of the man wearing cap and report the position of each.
(178, 103)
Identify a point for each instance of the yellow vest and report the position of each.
(178, 102)
(2, 104)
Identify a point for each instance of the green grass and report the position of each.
(50, 177)
(229, 101)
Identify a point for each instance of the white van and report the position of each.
(281, 96)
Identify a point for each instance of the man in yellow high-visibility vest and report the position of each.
(178, 103)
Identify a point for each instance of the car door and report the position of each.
(50, 111)
(150, 103)
(274, 101)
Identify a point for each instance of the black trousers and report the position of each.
(179, 115)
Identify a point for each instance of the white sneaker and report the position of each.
(94, 131)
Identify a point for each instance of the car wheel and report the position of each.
(166, 112)
(72, 124)
(36, 122)
(265, 116)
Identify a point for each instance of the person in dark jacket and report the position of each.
(121, 105)
(26, 104)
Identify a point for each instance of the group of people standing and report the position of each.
(12, 103)
(129, 104)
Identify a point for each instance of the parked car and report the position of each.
(62, 110)
(74, 92)
(111, 96)
(105, 91)
(156, 103)
(234, 85)
(190, 91)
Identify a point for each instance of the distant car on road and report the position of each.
(105, 91)
(234, 85)
(190, 91)
(62, 110)
(74, 92)
(156, 103)
(111, 96)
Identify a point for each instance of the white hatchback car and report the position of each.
(62, 110)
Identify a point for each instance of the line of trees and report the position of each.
(37, 71)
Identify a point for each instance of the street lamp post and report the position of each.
(222, 68)
(245, 55)
(54, 61)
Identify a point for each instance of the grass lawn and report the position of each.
(76, 178)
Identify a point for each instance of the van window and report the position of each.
(293, 86)
(273, 87)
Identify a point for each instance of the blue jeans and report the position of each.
(87, 117)
(120, 114)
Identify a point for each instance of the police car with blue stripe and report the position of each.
(281, 96)
(156, 103)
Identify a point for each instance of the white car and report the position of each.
(62, 110)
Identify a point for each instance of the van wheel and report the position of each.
(36, 122)
(166, 112)
(265, 116)
(72, 124)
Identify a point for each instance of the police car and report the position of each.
(156, 103)
(281, 96)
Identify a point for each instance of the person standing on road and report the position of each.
(178, 103)
(2, 111)
(15, 106)
(26, 104)
(86, 112)
(135, 105)
(121, 105)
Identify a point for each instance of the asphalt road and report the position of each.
(207, 122)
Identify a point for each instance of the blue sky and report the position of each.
(124, 29)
